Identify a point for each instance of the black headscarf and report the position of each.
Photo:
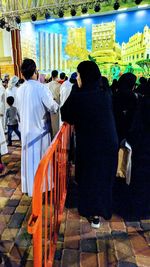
(126, 82)
(89, 73)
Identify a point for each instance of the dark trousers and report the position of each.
(12, 128)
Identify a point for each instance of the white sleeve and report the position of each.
(48, 100)
(65, 91)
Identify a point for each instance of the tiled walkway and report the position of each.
(15, 208)
(117, 243)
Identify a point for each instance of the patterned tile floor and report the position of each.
(117, 243)
(15, 209)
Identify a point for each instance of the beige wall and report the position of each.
(6, 62)
(1, 45)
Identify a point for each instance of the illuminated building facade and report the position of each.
(50, 51)
(103, 42)
(138, 47)
(77, 37)
(6, 60)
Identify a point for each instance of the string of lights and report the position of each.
(10, 18)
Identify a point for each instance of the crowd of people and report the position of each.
(104, 117)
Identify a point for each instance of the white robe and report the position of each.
(2, 105)
(65, 91)
(54, 87)
(12, 92)
(33, 101)
(3, 145)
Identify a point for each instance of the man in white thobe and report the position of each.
(65, 91)
(12, 89)
(54, 87)
(34, 101)
(2, 104)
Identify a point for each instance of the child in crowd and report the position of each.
(12, 118)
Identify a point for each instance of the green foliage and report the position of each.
(92, 58)
(145, 65)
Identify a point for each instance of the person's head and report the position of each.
(28, 69)
(20, 81)
(13, 81)
(10, 100)
(114, 86)
(126, 82)
(73, 77)
(6, 76)
(5, 83)
(115, 83)
(87, 73)
(105, 82)
(62, 76)
(143, 80)
(54, 74)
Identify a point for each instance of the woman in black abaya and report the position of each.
(89, 109)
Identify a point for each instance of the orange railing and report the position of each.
(49, 194)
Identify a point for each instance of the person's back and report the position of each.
(141, 87)
(124, 103)
(35, 102)
(65, 90)
(62, 77)
(54, 86)
(12, 115)
(11, 120)
(66, 87)
(132, 201)
(32, 110)
(89, 109)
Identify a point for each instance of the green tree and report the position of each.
(145, 65)
(92, 58)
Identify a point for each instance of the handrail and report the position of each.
(49, 194)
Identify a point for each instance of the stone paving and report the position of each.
(15, 209)
(117, 243)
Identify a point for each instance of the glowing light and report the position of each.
(122, 9)
(84, 15)
(87, 21)
(71, 23)
(68, 17)
(140, 13)
(121, 16)
(49, 20)
(141, 6)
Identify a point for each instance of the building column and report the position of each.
(16, 51)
